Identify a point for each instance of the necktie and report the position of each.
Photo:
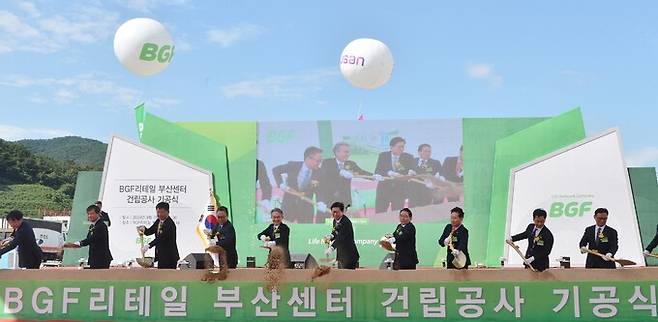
(341, 166)
(534, 232)
(598, 232)
(395, 159)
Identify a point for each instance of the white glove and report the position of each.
(346, 174)
(387, 236)
(391, 240)
(264, 238)
(609, 257)
(583, 250)
(393, 174)
(509, 241)
(145, 248)
(77, 243)
(283, 186)
(412, 173)
(646, 253)
(455, 252)
(266, 204)
(270, 243)
(328, 251)
(141, 229)
(322, 207)
(529, 260)
(378, 177)
(429, 184)
(207, 231)
(446, 241)
(437, 175)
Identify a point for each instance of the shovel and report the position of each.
(144, 261)
(518, 251)
(622, 262)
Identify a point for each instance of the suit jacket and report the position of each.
(343, 241)
(405, 247)
(384, 163)
(166, 249)
(226, 239)
(29, 252)
(459, 241)
(294, 207)
(99, 245)
(607, 244)
(450, 170)
(653, 242)
(263, 180)
(539, 247)
(281, 237)
(333, 186)
(431, 167)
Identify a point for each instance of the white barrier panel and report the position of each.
(135, 179)
(570, 184)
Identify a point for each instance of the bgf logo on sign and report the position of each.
(151, 52)
(570, 209)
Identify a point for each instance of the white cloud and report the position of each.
(42, 33)
(647, 156)
(13, 133)
(483, 71)
(79, 88)
(147, 6)
(294, 86)
(230, 36)
(29, 8)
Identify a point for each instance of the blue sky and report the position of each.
(278, 60)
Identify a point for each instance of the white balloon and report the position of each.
(366, 63)
(143, 46)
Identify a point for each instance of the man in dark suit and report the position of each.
(422, 194)
(393, 164)
(299, 186)
(455, 234)
(29, 253)
(602, 239)
(540, 241)
(453, 167)
(104, 216)
(652, 244)
(264, 182)
(164, 229)
(336, 176)
(277, 234)
(341, 239)
(404, 239)
(225, 234)
(97, 239)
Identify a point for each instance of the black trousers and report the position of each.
(348, 264)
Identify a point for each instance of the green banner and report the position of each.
(355, 301)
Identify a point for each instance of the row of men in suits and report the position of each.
(330, 180)
(598, 239)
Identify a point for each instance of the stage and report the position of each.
(363, 295)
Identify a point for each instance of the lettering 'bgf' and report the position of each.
(151, 52)
(570, 209)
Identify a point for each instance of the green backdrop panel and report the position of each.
(188, 146)
(517, 149)
(645, 195)
(480, 136)
(87, 188)
(240, 140)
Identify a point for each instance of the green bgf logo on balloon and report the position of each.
(569, 209)
(151, 52)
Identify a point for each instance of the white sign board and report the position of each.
(135, 179)
(570, 184)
